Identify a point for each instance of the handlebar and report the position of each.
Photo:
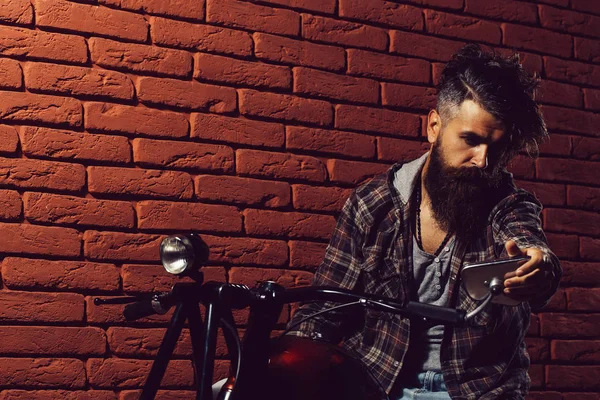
(240, 296)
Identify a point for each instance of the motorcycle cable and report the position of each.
(362, 302)
(238, 345)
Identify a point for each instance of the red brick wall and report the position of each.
(124, 120)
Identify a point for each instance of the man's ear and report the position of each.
(434, 125)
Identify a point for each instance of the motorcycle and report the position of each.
(287, 367)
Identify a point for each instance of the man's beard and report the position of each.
(461, 198)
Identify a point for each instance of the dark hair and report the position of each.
(501, 87)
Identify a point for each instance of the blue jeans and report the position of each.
(428, 386)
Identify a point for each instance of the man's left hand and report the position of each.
(530, 280)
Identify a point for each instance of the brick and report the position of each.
(569, 21)
(536, 374)
(506, 11)
(279, 165)
(591, 99)
(579, 351)
(253, 276)
(306, 255)
(572, 72)
(573, 377)
(353, 172)
(254, 17)
(27, 107)
(436, 72)
(567, 119)
(135, 342)
(344, 33)
(317, 83)
(213, 68)
(39, 174)
(40, 307)
(288, 224)
(246, 191)
(77, 81)
(377, 120)
(558, 302)
(450, 4)
(11, 76)
(140, 182)
(42, 240)
(17, 12)
(9, 139)
(285, 107)
(538, 349)
(332, 142)
(383, 12)
(322, 6)
(237, 130)
(69, 145)
(587, 49)
(167, 32)
(90, 19)
(46, 372)
(564, 246)
(26, 273)
(190, 9)
(175, 394)
(583, 197)
(462, 27)
(120, 246)
(583, 299)
(586, 148)
(408, 96)
(536, 39)
(571, 221)
(182, 155)
(154, 278)
(47, 208)
(534, 395)
(558, 145)
(247, 251)
(35, 44)
(569, 325)
(316, 198)
(547, 193)
(161, 215)
(395, 150)
(116, 118)
(17, 394)
(140, 58)
(396, 68)
(560, 94)
(574, 171)
(114, 373)
(113, 314)
(51, 340)
(10, 205)
(584, 5)
(532, 63)
(580, 273)
(185, 94)
(422, 46)
(289, 51)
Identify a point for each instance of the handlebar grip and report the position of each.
(139, 310)
(435, 313)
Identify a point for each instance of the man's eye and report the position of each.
(471, 142)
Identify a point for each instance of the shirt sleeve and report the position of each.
(518, 219)
(341, 269)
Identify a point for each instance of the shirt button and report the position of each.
(396, 363)
(437, 260)
(438, 274)
(438, 287)
(447, 249)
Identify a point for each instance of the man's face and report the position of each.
(462, 171)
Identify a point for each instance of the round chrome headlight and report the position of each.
(177, 254)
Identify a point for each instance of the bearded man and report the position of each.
(408, 233)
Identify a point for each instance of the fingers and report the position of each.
(512, 249)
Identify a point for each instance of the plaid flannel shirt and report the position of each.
(371, 251)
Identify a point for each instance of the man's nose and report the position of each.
(480, 158)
